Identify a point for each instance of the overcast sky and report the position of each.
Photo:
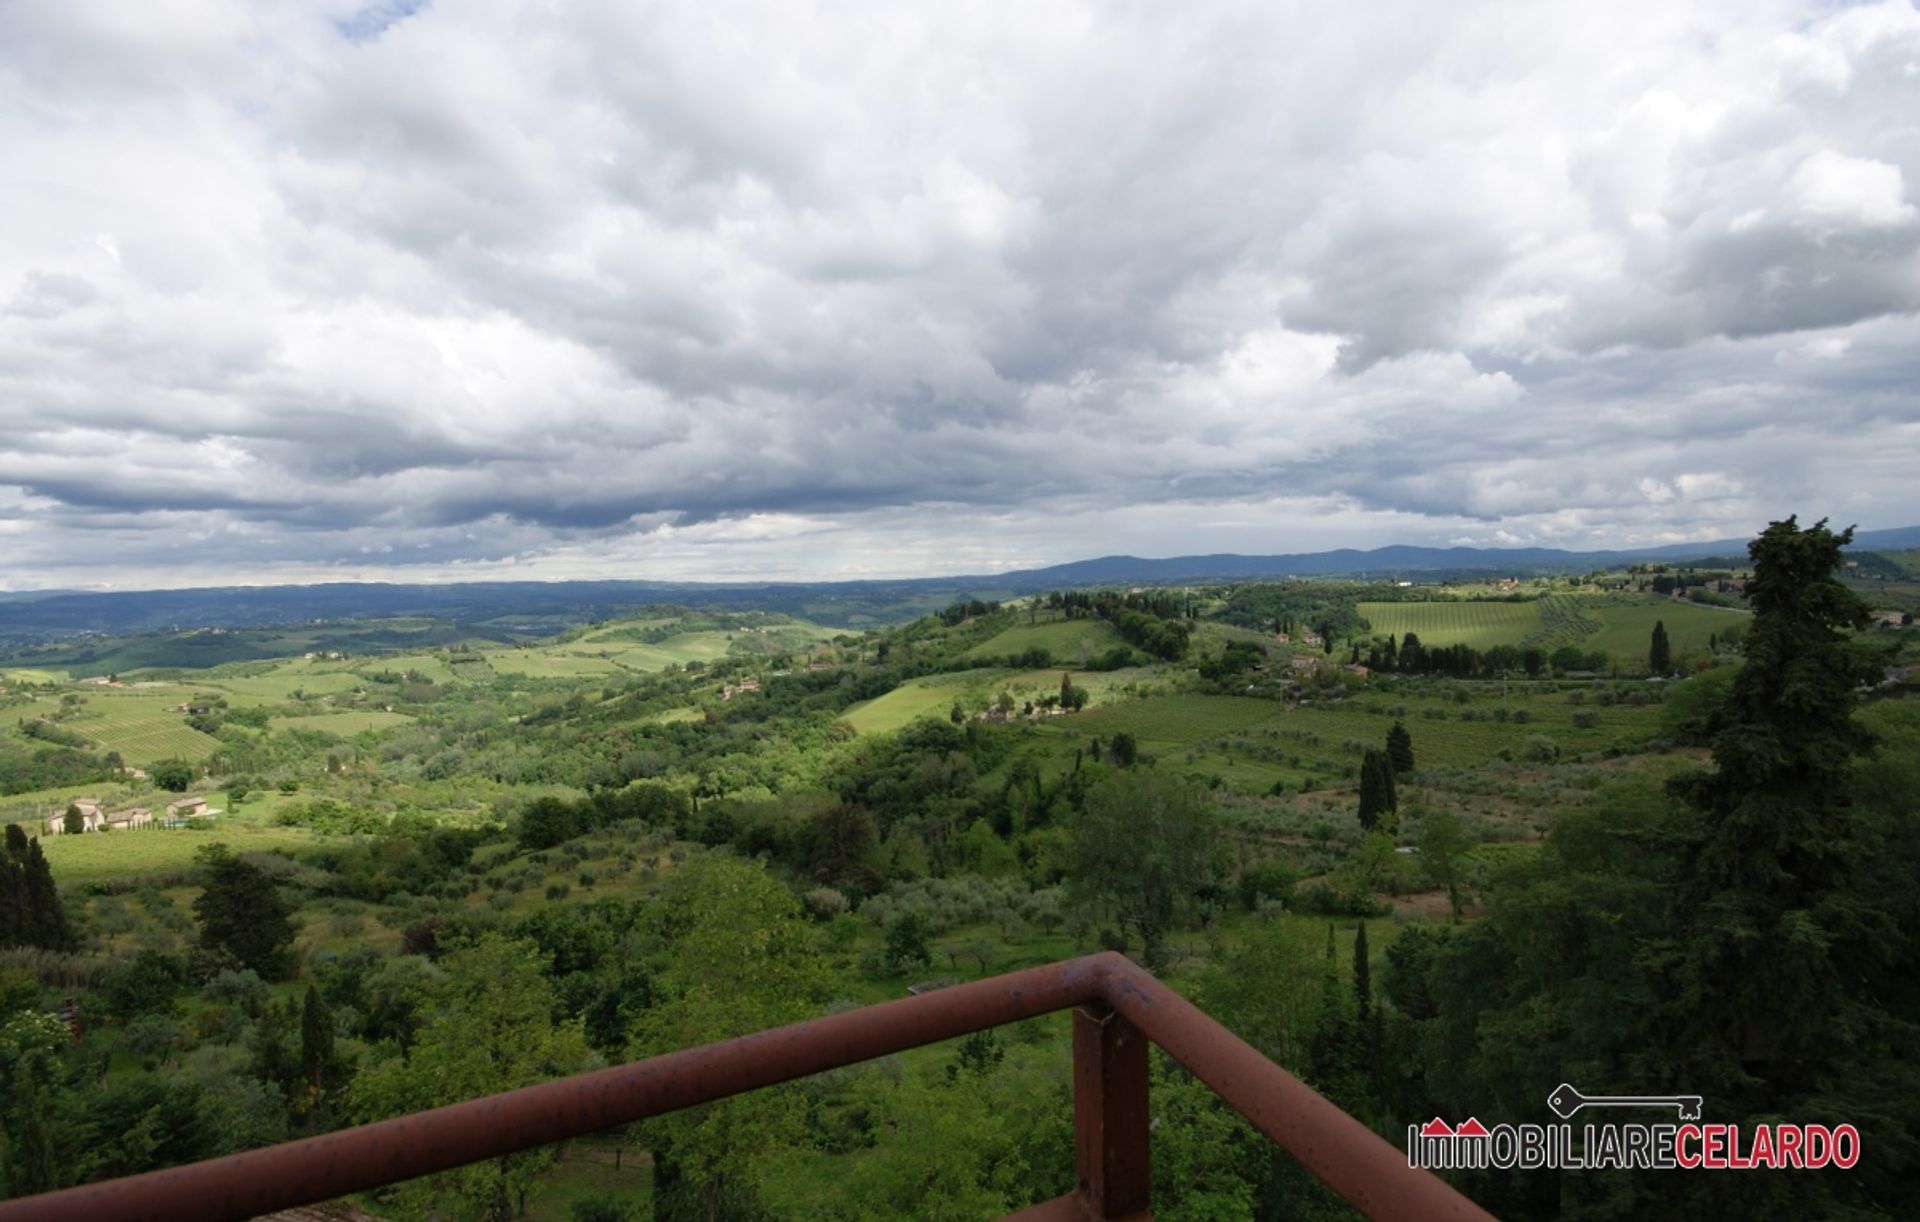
(319, 291)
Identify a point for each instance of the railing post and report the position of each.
(1110, 1112)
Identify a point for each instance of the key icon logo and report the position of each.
(1565, 1101)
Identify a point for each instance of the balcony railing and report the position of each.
(1118, 1008)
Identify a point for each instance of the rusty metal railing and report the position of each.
(1118, 1009)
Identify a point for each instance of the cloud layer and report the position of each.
(295, 291)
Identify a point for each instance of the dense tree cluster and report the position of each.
(30, 910)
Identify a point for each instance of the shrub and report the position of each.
(825, 903)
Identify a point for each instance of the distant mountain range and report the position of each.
(1401, 559)
(507, 607)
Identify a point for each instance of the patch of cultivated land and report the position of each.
(933, 695)
(142, 728)
(1068, 640)
(1176, 720)
(154, 850)
(344, 724)
(1480, 625)
(280, 683)
(548, 664)
(429, 667)
(1626, 631)
(706, 646)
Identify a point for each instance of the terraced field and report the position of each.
(1476, 624)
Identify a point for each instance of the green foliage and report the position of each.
(1400, 749)
(1378, 800)
(243, 918)
(1660, 650)
(1147, 850)
(488, 1027)
(718, 910)
(31, 913)
(173, 775)
(907, 943)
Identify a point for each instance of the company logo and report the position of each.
(1688, 1145)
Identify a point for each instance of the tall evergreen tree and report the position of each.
(316, 1041)
(1377, 798)
(241, 913)
(1660, 652)
(30, 910)
(1400, 749)
(1371, 802)
(1362, 975)
(1774, 835)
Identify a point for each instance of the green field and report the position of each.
(1479, 625)
(1620, 626)
(100, 855)
(280, 683)
(143, 729)
(1460, 743)
(548, 664)
(432, 669)
(344, 724)
(932, 696)
(1176, 720)
(708, 646)
(1068, 640)
(1627, 630)
(34, 676)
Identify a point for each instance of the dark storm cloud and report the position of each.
(467, 289)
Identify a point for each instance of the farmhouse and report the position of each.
(1301, 661)
(734, 689)
(92, 818)
(187, 808)
(131, 819)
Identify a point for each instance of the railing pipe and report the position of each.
(1119, 1003)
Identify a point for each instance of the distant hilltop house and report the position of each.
(101, 681)
(734, 689)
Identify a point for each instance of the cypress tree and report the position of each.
(30, 910)
(1375, 788)
(1369, 794)
(1659, 653)
(316, 1042)
(1762, 903)
(50, 928)
(1362, 974)
(1400, 749)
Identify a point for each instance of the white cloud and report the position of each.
(873, 289)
